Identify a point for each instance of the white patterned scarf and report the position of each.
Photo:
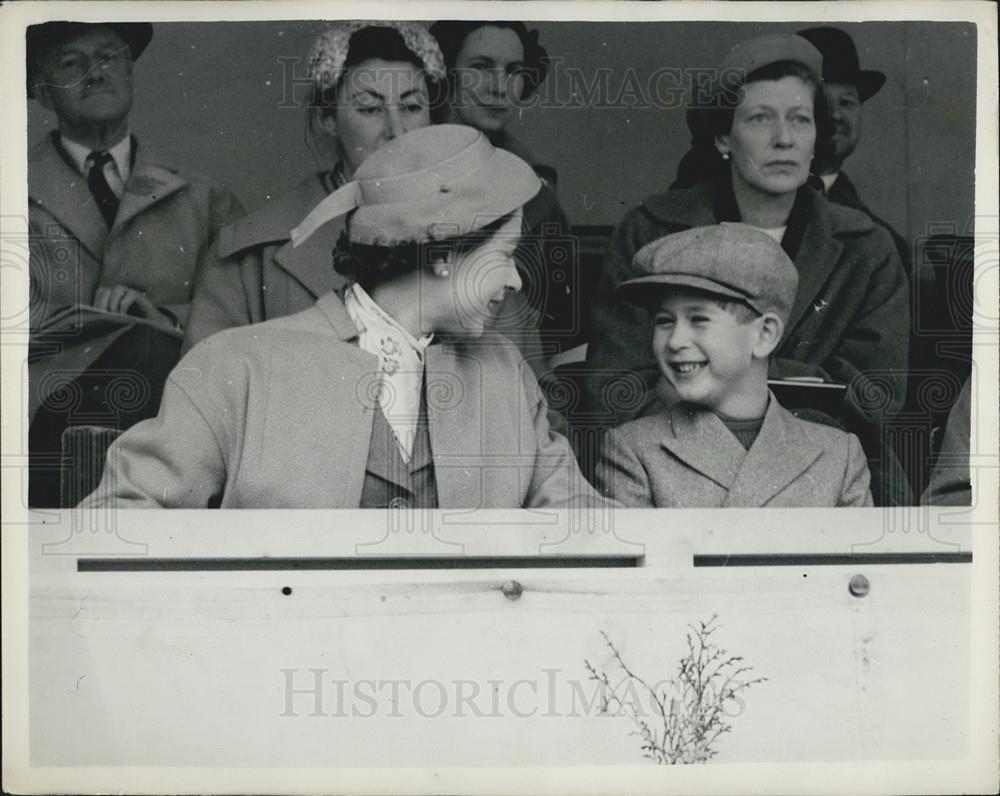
(401, 364)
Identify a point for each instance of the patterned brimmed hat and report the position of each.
(326, 59)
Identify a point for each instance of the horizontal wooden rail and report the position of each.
(828, 559)
(353, 563)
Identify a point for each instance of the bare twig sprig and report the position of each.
(685, 714)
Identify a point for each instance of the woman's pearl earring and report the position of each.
(725, 156)
(441, 270)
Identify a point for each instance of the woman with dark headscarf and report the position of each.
(494, 68)
(850, 321)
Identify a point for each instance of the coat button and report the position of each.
(511, 589)
(399, 503)
(859, 586)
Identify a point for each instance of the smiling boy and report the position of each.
(720, 297)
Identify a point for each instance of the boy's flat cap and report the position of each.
(735, 261)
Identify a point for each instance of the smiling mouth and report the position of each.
(687, 368)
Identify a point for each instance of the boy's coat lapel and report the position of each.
(780, 454)
(701, 440)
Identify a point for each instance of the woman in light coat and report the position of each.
(385, 394)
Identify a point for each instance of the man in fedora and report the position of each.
(116, 236)
(846, 86)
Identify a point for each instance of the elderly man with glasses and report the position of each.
(116, 236)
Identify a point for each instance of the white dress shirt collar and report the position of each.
(121, 153)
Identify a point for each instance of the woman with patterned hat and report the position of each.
(850, 322)
(370, 82)
(388, 393)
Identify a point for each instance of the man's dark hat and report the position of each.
(840, 61)
(41, 38)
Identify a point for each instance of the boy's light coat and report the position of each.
(686, 457)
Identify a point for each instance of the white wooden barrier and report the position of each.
(256, 640)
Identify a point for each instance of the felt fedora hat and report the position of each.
(39, 39)
(733, 260)
(429, 184)
(840, 61)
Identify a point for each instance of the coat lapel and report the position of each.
(455, 428)
(346, 450)
(311, 263)
(817, 256)
(780, 454)
(701, 440)
(843, 192)
(687, 207)
(147, 184)
(62, 192)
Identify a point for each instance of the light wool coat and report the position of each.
(254, 273)
(279, 415)
(687, 458)
(165, 225)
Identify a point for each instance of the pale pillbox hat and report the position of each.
(429, 184)
(733, 260)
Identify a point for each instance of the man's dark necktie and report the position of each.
(106, 200)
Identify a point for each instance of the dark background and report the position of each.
(218, 98)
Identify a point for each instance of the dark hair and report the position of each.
(380, 42)
(452, 33)
(370, 265)
(703, 161)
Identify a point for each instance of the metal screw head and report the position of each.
(511, 589)
(859, 586)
